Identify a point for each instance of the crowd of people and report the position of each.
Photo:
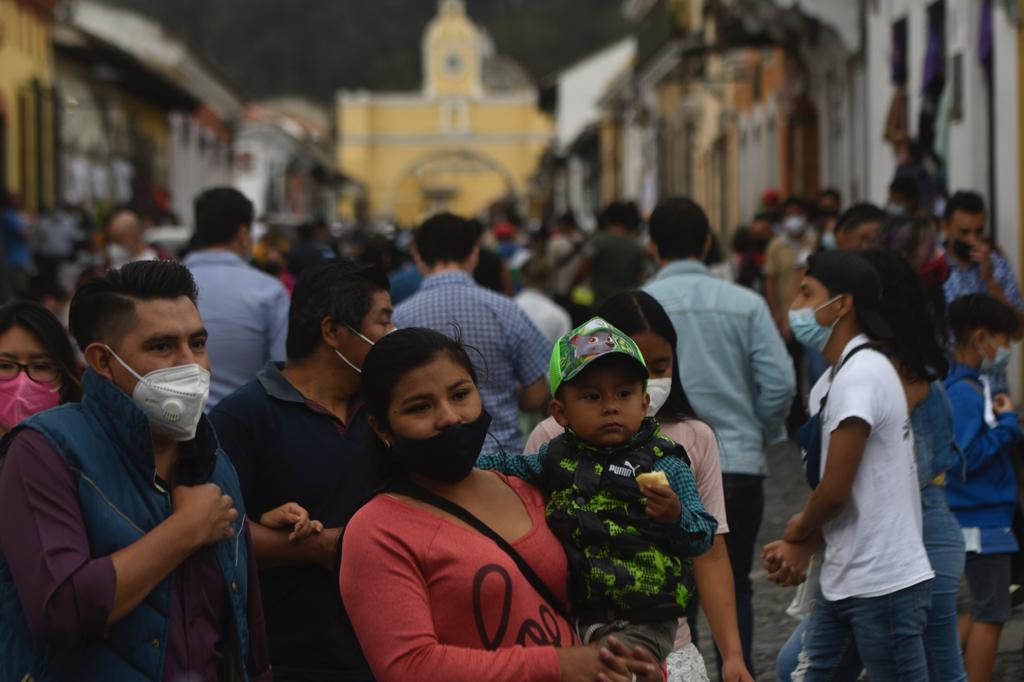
(490, 450)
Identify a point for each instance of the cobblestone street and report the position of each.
(785, 492)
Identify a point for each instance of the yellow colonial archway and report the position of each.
(471, 135)
(436, 182)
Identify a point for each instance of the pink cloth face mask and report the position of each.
(20, 398)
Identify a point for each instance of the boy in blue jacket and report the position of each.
(982, 489)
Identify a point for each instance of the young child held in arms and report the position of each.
(982, 489)
(621, 496)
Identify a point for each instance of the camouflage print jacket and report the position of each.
(622, 564)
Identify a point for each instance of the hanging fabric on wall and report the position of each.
(985, 38)
(100, 180)
(896, 121)
(942, 120)
(934, 58)
(898, 58)
(123, 173)
(77, 186)
(934, 78)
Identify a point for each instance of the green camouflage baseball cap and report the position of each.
(591, 340)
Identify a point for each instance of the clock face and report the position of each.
(453, 64)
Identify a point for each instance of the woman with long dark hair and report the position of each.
(37, 365)
(639, 315)
(916, 240)
(920, 359)
(452, 573)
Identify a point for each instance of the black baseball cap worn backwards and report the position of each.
(843, 272)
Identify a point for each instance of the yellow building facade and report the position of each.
(28, 108)
(471, 136)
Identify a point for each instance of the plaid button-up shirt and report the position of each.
(507, 349)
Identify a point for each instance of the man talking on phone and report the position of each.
(975, 267)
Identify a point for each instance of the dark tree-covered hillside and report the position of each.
(314, 47)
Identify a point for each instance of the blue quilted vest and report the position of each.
(106, 443)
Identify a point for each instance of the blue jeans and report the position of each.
(945, 546)
(944, 543)
(884, 633)
(789, 655)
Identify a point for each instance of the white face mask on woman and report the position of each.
(658, 390)
(172, 398)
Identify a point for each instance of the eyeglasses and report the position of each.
(40, 372)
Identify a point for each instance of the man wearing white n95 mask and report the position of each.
(122, 529)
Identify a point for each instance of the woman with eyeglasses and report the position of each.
(37, 365)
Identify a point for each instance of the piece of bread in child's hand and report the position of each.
(653, 478)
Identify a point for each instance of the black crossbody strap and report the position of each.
(863, 346)
(423, 495)
(577, 249)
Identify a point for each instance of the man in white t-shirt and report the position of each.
(875, 584)
(551, 319)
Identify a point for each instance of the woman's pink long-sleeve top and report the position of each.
(432, 600)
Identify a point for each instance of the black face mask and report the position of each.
(962, 250)
(447, 456)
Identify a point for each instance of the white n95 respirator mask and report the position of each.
(173, 398)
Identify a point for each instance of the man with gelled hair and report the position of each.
(124, 546)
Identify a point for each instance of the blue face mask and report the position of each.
(806, 329)
(997, 364)
(828, 241)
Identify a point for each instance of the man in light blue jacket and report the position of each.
(736, 372)
(245, 310)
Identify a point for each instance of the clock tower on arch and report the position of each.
(453, 50)
(471, 135)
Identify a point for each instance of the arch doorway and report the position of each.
(803, 143)
(461, 180)
(3, 143)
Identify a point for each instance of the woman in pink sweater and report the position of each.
(638, 314)
(430, 596)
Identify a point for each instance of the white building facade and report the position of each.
(980, 52)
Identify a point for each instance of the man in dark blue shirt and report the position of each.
(297, 434)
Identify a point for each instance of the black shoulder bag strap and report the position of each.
(863, 346)
(418, 492)
(809, 437)
(577, 249)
